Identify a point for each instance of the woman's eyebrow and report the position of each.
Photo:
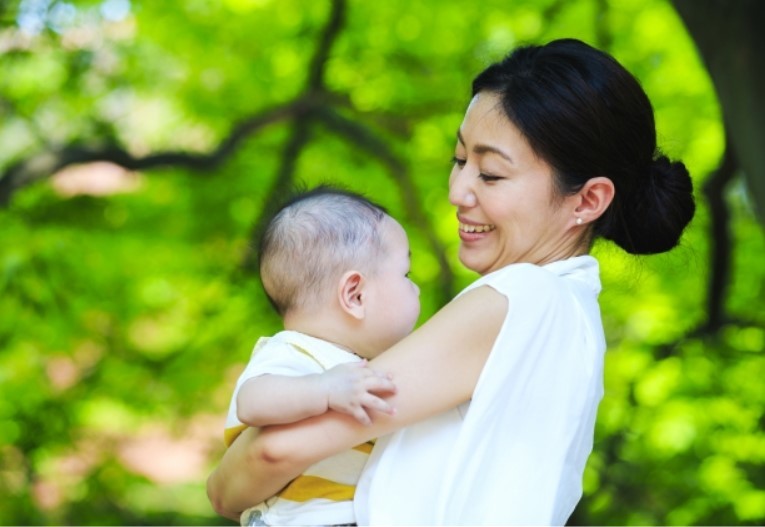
(483, 149)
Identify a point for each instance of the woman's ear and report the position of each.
(350, 291)
(593, 199)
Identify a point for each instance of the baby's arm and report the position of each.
(350, 388)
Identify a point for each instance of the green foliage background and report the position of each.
(125, 317)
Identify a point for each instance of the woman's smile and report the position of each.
(470, 230)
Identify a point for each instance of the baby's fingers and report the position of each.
(379, 384)
(375, 403)
(361, 415)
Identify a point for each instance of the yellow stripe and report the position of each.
(308, 354)
(306, 488)
(229, 434)
(365, 447)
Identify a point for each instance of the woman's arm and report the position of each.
(435, 368)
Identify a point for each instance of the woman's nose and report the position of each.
(460, 191)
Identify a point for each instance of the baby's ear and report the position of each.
(350, 294)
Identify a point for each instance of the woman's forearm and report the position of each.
(261, 462)
(248, 474)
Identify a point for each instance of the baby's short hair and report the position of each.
(313, 239)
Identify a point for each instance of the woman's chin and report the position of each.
(471, 261)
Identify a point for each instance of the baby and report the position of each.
(336, 268)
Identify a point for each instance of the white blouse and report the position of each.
(515, 454)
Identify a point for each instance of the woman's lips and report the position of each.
(470, 231)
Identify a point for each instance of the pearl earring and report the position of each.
(579, 221)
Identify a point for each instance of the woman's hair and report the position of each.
(587, 116)
(312, 240)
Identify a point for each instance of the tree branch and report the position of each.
(328, 37)
(603, 35)
(45, 164)
(300, 132)
(721, 250)
(280, 186)
(720, 239)
(314, 103)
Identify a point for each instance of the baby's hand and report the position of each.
(351, 389)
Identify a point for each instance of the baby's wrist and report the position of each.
(324, 390)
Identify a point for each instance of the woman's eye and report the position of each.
(459, 162)
(488, 178)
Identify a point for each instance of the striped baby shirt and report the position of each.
(323, 494)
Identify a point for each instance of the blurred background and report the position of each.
(141, 143)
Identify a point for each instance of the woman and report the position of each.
(498, 391)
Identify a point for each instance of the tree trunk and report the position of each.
(731, 41)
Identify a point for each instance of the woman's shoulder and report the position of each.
(515, 277)
(529, 279)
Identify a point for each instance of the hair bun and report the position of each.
(655, 214)
(673, 176)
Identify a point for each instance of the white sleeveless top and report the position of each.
(515, 454)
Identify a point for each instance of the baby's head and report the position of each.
(329, 247)
(314, 238)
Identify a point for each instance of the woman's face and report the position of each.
(507, 209)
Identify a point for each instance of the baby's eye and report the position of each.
(458, 161)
